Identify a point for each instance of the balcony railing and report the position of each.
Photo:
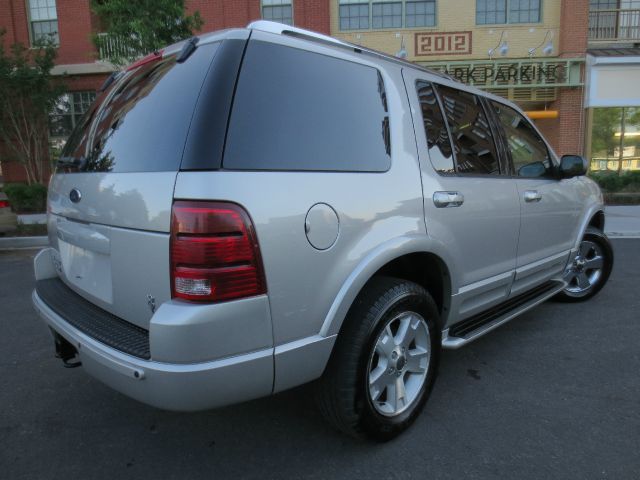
(112, 47)
(615, 25)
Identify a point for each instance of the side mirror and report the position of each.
(533, 170)
(573, 166)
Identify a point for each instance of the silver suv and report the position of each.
(258, 208)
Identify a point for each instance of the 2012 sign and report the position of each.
(443, 43)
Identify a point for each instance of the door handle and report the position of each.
(447, 199)
(532, 196)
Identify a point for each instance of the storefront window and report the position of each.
(615, 140)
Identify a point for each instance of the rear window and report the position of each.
(297, 110)
(140, 124)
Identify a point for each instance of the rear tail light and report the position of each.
(4, 204)
(214, 252)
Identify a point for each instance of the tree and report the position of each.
(136, 28)
(27, 95)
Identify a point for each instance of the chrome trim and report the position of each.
(532, 196)
(453, 343)
(447, 199)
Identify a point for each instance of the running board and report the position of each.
(476, 326)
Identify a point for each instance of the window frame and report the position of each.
(507, 16)
(403, 15)
(72, 113)
(30, 22)
(435, 14)
(283, 3)
(506, 152)
(358, 4)
(382, 15)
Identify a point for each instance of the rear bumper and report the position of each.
(171, 386)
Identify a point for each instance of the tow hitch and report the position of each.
(65, 351)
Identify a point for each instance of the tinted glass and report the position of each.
(143, 125)
(475, 150)
(297, 110)
(526, 146)
(440, 151)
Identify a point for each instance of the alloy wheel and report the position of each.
(586, 270)
(399, 364)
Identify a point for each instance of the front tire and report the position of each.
(590, 269)
(384, 362)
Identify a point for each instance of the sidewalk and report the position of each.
(622, 221)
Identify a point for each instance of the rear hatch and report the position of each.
(111, 196)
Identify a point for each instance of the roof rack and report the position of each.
(282, 29)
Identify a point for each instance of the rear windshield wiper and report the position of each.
(72, 162)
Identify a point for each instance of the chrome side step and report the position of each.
(478, 325)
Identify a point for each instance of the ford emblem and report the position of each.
(75, 196)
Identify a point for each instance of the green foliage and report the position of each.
(606, 121)
(27, 95)
(612, 182)
(143, 26)
(26, 198)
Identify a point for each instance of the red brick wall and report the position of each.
(309, 14)
(226, 13)
(312, 15)
(13, 18)
(566, 133)
(84, 82)
(74, 22)
(574, 25)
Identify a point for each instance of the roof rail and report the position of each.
(282, 29)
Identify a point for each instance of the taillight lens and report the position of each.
(214, 252)
(4, 204)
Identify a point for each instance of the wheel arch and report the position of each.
(593, 217)
(597, 220)
(418, 259)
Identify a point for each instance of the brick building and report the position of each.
(531, 52)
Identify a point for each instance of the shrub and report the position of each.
(27, 198)
(612, 182)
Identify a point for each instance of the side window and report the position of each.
(440, 151)
(474, 148)
(528, 151)
(298, 110)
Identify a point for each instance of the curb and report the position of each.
(15, 243)
(33, 219)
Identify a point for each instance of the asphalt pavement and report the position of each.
(555, 394)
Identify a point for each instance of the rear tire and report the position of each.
(384, 363)
(591, 268)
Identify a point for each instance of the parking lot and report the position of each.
(554, 394)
